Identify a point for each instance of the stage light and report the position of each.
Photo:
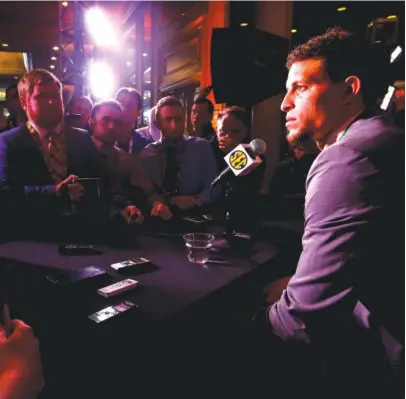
(55, 48)
(64, 3)
(53, 58)
(294, 30)
(243, 24)
(4, 45)
(341, 9)
(100, 28)
(101, 80)
(52, 66)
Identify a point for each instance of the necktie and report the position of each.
(170, 180)
(56, 155)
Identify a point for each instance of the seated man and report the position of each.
(180, 167)
(40, 160)
(125, 172)
(129, 139)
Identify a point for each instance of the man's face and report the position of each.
(83, 107)
(171, 121)
(313, 103)
(44, 105)
(200, 115)
(106, 124)
(131, 110)
(230, 133)
(13, 102)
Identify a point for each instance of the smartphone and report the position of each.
(111, 311)
(68, 277)
(91, 186)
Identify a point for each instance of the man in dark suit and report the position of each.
(346, 298)
(40, 160)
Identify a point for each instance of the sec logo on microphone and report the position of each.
(238, 159)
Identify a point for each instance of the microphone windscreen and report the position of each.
(258, 146)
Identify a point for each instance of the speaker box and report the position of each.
(247, 65)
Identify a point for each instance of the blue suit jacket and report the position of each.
(26, 185)
(347, 295)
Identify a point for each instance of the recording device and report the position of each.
(111, 311)
(68, 277)
(243, 159)
(133, 266)
(78, 250)
(118, 288)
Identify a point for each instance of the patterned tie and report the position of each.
(56, 155)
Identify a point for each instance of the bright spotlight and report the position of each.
(101, 80)
(100, 28)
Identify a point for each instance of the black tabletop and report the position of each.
(174, 286)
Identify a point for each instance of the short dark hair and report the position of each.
(238, 113)
(34, 77)
(12, 87)
(78, 98)
(345, 54)
(167, 102)
(107, 103)
(133, 92)
(204, 100)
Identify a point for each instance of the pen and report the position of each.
(7, 319)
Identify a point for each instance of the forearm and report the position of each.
(42, 191)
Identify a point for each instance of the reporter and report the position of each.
(21, 375)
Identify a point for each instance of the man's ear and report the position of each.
(353, 87)
(157, 124)
(23, 103)
(91, 123)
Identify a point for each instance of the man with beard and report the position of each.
(346, 298)
(40, 160)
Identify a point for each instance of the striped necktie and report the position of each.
(56, 155)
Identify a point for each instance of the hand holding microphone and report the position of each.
(243, 159)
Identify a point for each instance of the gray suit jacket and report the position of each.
(347, 295)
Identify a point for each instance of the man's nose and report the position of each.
(287, 104)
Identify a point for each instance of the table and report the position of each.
(177, 290)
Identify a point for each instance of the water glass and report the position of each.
(198, 245)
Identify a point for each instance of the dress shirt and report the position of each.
(196, 163)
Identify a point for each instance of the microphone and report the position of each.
(243, 159)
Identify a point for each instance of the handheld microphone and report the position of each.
(243, 159)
